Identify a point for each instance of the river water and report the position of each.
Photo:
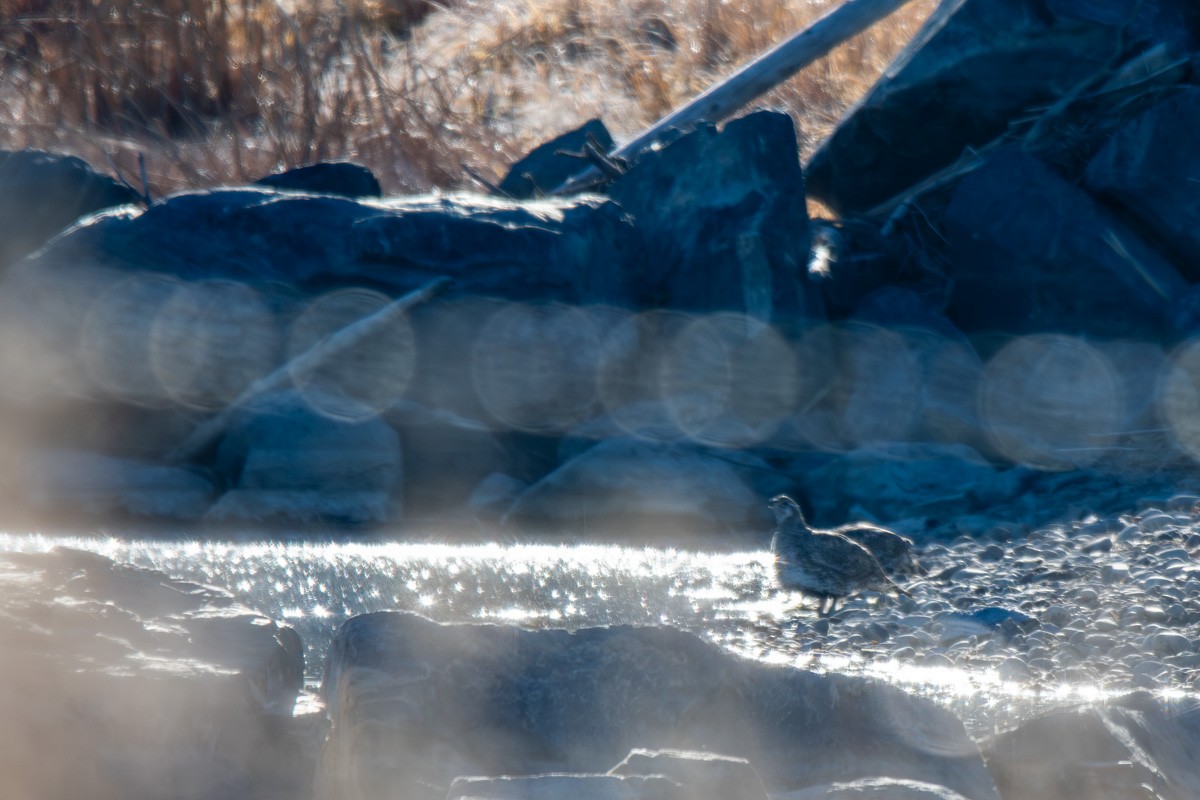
(727, 598)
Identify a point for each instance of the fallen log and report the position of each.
(753, 80)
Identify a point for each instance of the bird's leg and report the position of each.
(821, 600)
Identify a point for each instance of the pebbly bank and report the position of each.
(1000, 325)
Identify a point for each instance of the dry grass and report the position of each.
(219, 91)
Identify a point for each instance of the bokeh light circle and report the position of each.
(629, 373)
(116, 337)
(210, 340)
(533, 366)
(1050, 401)
(374, 372)
(881, 384)
(729, 380)
(1179, 397)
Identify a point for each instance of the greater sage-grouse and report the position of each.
(824, 564)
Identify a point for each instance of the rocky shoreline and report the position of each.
(194, 695)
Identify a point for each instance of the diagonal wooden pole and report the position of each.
(754, 79)
(320, 353)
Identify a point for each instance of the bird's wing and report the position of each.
(838, 552)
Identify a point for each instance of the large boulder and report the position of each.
(723, 220)
(79, 482)
(341, 178)
(120, 682)
(1151, 169)
(414, 704)
(174, 311)
(570, 250)
(1132, 747)
(307, 456)
(42, 193)
(1033, 253)
(906, 481)
(975, 67)
(635, 486)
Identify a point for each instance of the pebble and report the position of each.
(993, 552)
(1057, 614)
(1114, 603)
(1114, 573)
(1168, 644)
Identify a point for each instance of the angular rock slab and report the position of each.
(106, 486)
(723, 220)
(42, 193)
(120, 682)
(551, 163)
(1032, 253)
(342, 178)
(1135, 746)
(974, 67)
(1151, 168)
(414, 704)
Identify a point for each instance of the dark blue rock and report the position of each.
(499, 700)
(302, 457)
(571, 250)
(42, 193)
(975, 67)
(722, 219)
(1033, 253)
(1151, 169)
(995, 617)
(550, 164)
(340, 178)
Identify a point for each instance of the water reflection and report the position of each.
(727, 598)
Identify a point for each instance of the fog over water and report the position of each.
(727, 598)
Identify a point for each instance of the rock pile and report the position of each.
(1009, 291)
(119, 682)
(415, 704)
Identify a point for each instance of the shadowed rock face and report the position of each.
(1135, 747)
(119, 682)
(42, 193)
(414, 704)
(1151, 169)
(976, 66)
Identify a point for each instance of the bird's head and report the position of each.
(785, 509)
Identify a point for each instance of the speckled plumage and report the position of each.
(823, 564)
(893, 551)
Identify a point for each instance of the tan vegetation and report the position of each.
(214, 91)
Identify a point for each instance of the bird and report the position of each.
(893, 551)
(824, 564)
